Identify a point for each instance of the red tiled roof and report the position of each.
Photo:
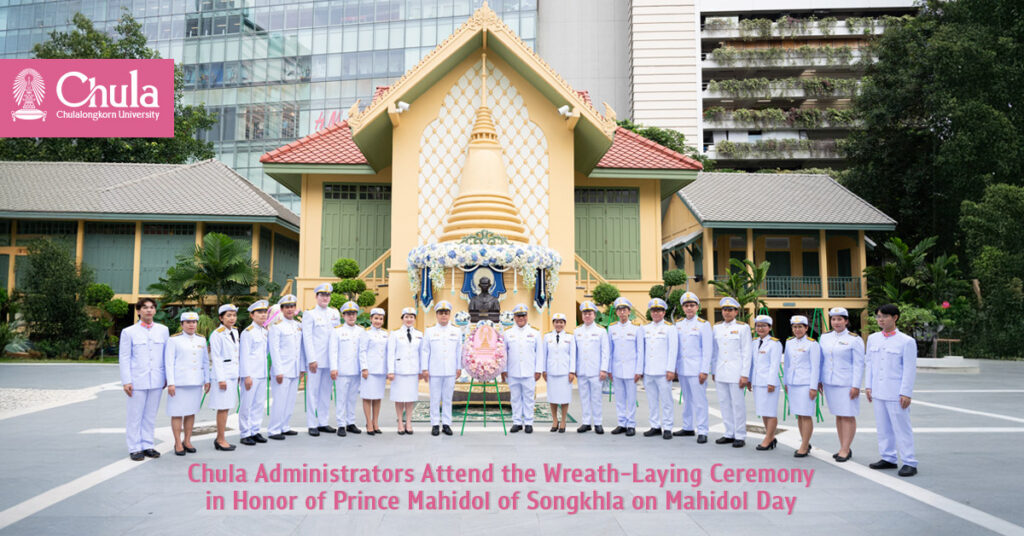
(630, 150)
(332, 145)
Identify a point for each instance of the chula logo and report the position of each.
(29, 91)
(114, 96)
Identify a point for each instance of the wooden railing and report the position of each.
(376, 274)
(287, 289)
(587, 278)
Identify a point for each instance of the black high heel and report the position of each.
(770, 446)
(842, 459)
(796, 453)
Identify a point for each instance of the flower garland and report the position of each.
(484, 367)
(524, 259)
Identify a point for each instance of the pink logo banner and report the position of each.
(87, 98)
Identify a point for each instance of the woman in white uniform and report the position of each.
(186, 360)
(842, 371)
(224, 357)
(803, 370)
(764, 376)
(559, 363)
(404, 368)
(373, 361)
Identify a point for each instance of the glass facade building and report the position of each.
(272, 70)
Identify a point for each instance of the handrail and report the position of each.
(287, 289)
(587, 277)
(376, 274)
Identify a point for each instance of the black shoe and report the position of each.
(341, 432)
(702, 439)
(652, 432)
(528, 429)
(797, 454)
(190, 450)
(328, 429)
(354, 429)
(883, 464)
(630, 432)
(599, 430)
(515, 429)
(907, 470)
(446, 429)
(217, 446)
(769, 447)
(150, 453)
(435, 430)
(561, 429)
(315, 432)
(401, 432)
(278, 437)
(738, 444)
(247, 441)
(554, 428)
(667, 434)
(842, 459)
(370, 432)
(290, 432)
(259, 438)
(684, 433)
(408, 431)
(137, 456)
(179, 452)
(724, 440)
(583, 428)
(618, 430)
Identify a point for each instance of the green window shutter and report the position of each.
(109, 250)
(356, 224)
(161, 243)
(286, 259)
(844, 263)
(5, 263)
(607, 223)
(810, 259)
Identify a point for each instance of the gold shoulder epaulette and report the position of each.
(775, 339)
(667, 323)
(811, 339)
(789, 338)
(221, 329)
(699, 319)
(251, 326)
(854, 334)
(178, 333)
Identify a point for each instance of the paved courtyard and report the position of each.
(66, 470)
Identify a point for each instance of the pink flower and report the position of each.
(945, 305)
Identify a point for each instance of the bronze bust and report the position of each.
(483, 306)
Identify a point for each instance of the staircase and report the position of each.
(376, 276)
(586, 279)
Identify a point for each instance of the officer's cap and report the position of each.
(657, 303)
(227, 307)
(520, 310)
(190, 316)
(558, 316)
(350, 307)
(259, 305)
(588, 306)
(377, 311)
(763, 319)
(689, 297)
(409, 311)
(287, 299)
(443, 305)
(729, 301)
(838, 311)
(621, 301)
(799, 319)
(324, 287)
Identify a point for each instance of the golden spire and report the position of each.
(483, 201)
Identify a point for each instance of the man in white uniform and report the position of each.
(658, 367)
(891, 371)
(440, 362)
(625, 353)
(141, 361)
(317, 325)
(285, 342)
(696, 344)
(591, 352)
(524, 364)
(344, 363)
(252, 368)
(732, 365)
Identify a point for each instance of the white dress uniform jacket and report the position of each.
(842, 359)
(186, 360)
(403, 354)
(252, 352)
(141, 362)
(224, 354)
(731, 351)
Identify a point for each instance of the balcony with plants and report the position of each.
(732, 28)
(804, 57)
(720, 118)
(796, 88)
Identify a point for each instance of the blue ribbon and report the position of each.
(540, 296)
(426, 294)
(497, 288)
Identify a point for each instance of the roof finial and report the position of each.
(483, 79)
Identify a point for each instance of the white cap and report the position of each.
(377, 311)
(558, 316)
(259, 305)
(799, 319)
(520, 310)
(226, 307)
(288, 299)
(324, 287)
(588, 306)
(350, 307)
(190, 316)
(443, 305)
(689, 297)
(838, 311)
(622, 301)
(729, 301)
(409, 311)
(763, 319)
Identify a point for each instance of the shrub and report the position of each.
(117, 308)
(346, 268)
(351, 287)
(657, 291)
(53, 300)
(605, 294)
(98, 293)
(674, 278)
(367, 298)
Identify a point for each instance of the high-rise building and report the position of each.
(274, 70)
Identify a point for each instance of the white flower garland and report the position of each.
(524, 259)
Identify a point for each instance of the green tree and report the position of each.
(666, 137)
(350, 287)
(943, 115)
(84, 41)
(995, 246)
(52, 298)
(746, 283)
(220, 267)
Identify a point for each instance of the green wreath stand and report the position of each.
(469, 395)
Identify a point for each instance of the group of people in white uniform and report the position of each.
(338, 356)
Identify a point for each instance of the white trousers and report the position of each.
(318, 397)
(734, 409)
(625, 401)
(695, 403)
(522, 391)
(441, 390)
(142, 406)
(659, 401)
(590, 399)
(282, 404)
(346, 393)
(254, 403)
(894, 432)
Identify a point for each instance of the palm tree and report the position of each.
(221, 267)
(746, 283)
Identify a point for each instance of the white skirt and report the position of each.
(226, 399)
(372, 388)
(405, 388)
(839, 403)
(766, 404)
(559, 389)
(185, 401)
(800, 402)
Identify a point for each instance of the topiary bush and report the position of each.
(346, 268)
(117, 307)
(98, 293)
(605, 294)
(367, 298)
